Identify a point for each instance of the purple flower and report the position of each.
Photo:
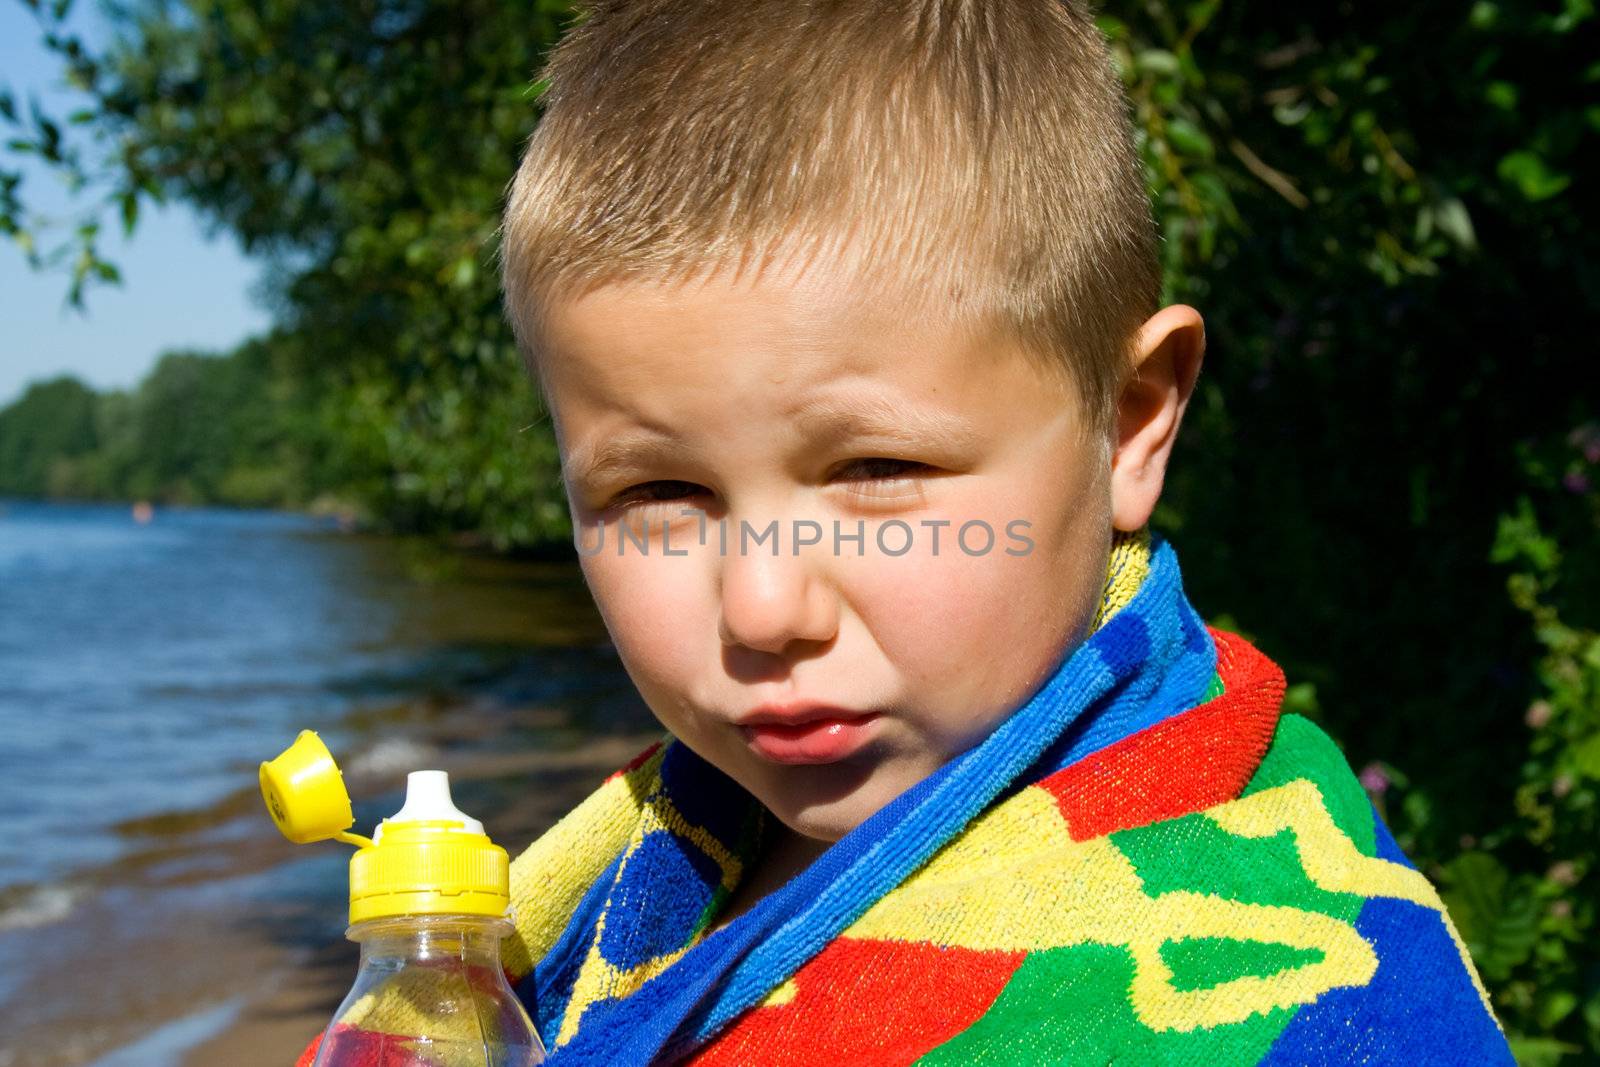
(1576, 482)
(1586, 439)
(1373, 778)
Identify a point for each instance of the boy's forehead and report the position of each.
(817, 305)
(795, 340)
(658, 353)
(627, 332)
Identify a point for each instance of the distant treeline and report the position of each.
(238, 429)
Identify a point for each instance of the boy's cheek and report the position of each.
(965, 638)
(654, 610)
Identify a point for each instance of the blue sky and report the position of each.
(180, 289)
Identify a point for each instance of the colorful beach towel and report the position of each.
(1147, 863)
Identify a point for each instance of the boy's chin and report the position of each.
(828, 801)
(821, 831)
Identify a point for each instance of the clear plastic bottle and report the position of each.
(445, 968)
(429, 905)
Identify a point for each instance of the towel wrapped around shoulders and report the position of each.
(1147, 863)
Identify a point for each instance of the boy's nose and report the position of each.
(770, 601)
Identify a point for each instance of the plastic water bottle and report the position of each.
(429, 905)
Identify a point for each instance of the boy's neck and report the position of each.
(791, 852)
(784, 854)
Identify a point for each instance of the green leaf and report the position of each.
(52, 138)
(1496, 916)
(1452, 219)
(1501, 94)
(1586, 756)
(1157, 61)
(1111, 26)
(1555, 1005)
(1539, 1051)
(1301, 699)
(1532, 175)
(1418, 807)
(1519, 540)
(1591, 1011)
(1188, 139)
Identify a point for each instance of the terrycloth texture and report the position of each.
(1145, 864)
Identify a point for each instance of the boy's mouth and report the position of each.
(796, 712)
(806, 732)
(814, 741)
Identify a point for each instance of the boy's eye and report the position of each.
(877, 470)
(880, 468)
(884, 480)
(658, 491)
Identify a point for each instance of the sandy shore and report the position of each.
(219, 943)
(150, 914)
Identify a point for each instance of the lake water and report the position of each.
(147, 668)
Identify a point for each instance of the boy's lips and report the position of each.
(806, 732)
(796, 713)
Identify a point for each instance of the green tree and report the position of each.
(42, 433)
(240, 429)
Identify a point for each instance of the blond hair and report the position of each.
(975, 156)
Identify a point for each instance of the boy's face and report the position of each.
(807, 399)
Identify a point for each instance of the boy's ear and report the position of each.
(1167, 352)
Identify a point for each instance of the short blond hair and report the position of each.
(974, 155)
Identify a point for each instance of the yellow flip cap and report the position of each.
(427, 859)
(305, 792)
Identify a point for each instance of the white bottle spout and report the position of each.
(428, 798)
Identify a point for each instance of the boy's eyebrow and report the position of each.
(834, 419)
(821, 421)
(629, 448)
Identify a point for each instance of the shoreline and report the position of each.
(151, 913)
(222, 943)
(341, 516)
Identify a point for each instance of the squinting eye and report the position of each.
(657, 492)
(876, 473)
(878, 468)
(881, 477)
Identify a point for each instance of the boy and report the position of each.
(847, 317)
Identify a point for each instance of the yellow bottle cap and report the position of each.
(305, 792)
(429, 867)
(426, 859)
